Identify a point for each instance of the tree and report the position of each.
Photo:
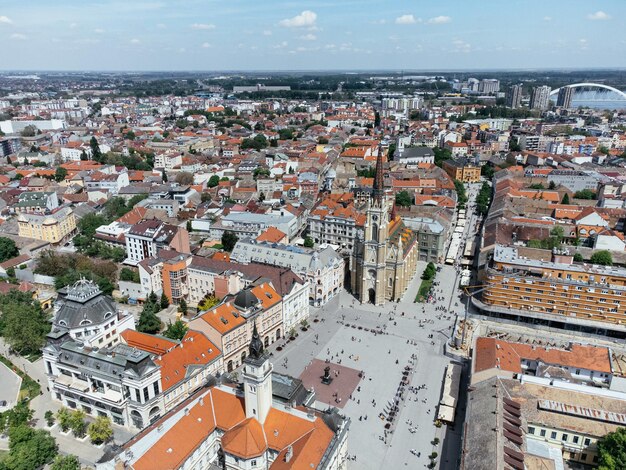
(322, 140)
(165, 301)
(24, 323)
(66, 462)
(209, 301)
(77, 423)
(49, 417)
(148, 320)
(182, 306)
(213, 181)
(229, 240)
(29, 131)
(64, 419)
(565, 199)
(129, 275)
(404, 199)
(19, 415)
(602, 257)
(612, 450)
(29, 448)
(376, 119)
(8, 249)
(164, 176)
(205, 197)
(585, 194)
(308, 242)
(96, 154)
(130, 135)
(176, 330)
(578, 258)
(184, 178)
(260, 171)
(60, 174)
(83, 156)
(552, 185)
(100, 430)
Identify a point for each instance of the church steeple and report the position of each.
(257, 379)
(379, 189)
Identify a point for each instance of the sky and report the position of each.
(213, 35)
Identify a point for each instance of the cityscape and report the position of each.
(312, 236)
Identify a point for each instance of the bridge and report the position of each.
(601, 89)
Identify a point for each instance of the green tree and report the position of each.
(176, 330)
(612, 450)
(77, 423)
(404, 199)
(130, 135)
(585, 194)
(89, 223)
(260, 171)
(83, 156)
(565, 199)
(229, 240)
(60, 174)
(552, 185)
(308, 242)
(165, 301)
(148, 320)
(100, 430)
(602, 257)
(66, 462)
(19, 415)
(29, 449)
(461, 196)
(49, 417)
(129, 275)
(64, 418)
(24, 324)
(213, 181)
(96, 154)
(8, 249)
(182, 306)
(578, 258)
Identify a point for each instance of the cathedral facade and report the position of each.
(384, 261)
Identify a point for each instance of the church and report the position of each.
(384, 260)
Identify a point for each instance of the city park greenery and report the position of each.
(612, 450)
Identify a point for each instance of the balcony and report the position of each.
(82, 386)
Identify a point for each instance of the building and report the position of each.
(9, 146)
(230, 325)
(564, 98)
(551, 286)
(239, 429)
(336, 221)
(385, 259)
(462, 170)
(36, 202)
(489, 85)
(247, 224)
(431, 237)
(413, 156)
(54, 228)
(76, 153)
(540, 97)
(531, 406)
(514, 96)
(145, 238)
(323, 268)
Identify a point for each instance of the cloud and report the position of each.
(73, 25)
(98, 31)
(202, 26)
(267, 32)
(406, 19)
(135, 41)
(6, 20)
(308, 37)
(440, 20)
(182, 50)
(547, 18)
(598, 16)
(306, 18)
(161, 26)
(205, 45)
(18, 36)
(461, 46)
(281, 45)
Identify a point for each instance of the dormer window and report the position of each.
(85, 322)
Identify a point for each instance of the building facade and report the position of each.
(55, 228)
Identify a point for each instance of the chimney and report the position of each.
(201, 401)
(289, 454)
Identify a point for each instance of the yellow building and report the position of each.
(462, 170)
(53, 228)
(555, 288)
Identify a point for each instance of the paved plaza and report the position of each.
(344, 381)
(10, 389)
(383, 343)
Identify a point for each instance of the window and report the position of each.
(145, 394)
(583, 457)
(156, 388)
(531, 430)
(553, 435)
(575, 439)
(587, 441)
(543, 433)
(564, 437)
(253, 463)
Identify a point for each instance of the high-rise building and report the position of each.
(514, 96)
(489, 85)
(540, 97)
(564, 99)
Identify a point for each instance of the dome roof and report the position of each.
(245, 299)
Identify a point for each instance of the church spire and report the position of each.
(379, 189)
